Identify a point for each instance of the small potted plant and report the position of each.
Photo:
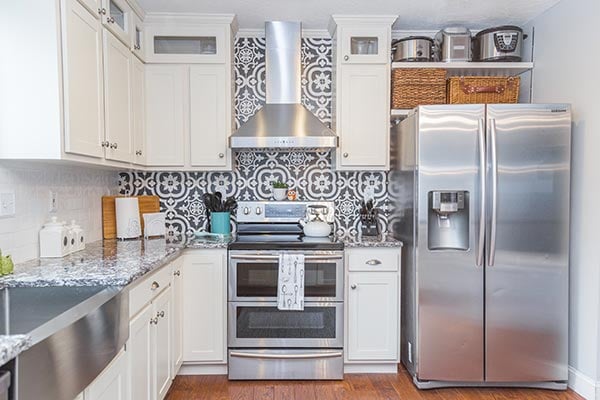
(279, 190)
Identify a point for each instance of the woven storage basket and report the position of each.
(483, 89)
(418, 86)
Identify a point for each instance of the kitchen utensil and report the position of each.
(453, 44)
(502, 43)
(413, 48)
(147, 204)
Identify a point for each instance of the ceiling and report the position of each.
(413, 14)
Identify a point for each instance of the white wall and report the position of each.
(566, 70)
(79, 191)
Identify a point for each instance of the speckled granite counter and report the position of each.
(12, 345)
(370, 241)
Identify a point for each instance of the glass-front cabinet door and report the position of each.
(364, 44)
(205, 44)
(117, 18)
(137, 36)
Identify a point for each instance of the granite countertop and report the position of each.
(384, 240)
(12, 345)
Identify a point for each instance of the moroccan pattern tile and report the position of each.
(310, 173)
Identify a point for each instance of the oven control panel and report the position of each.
(279, 211)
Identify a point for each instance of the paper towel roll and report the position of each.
(128, 218)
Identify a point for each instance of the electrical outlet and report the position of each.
(53, 206)
(7, 204)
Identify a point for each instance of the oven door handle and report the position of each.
(286, 356)
(266, 257)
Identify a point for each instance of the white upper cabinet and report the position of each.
(362, 90)
(138, 111)
(204, 42)
(210, 116)
(165, 113)
(116, 16)
(364, 122)
(94, 7)
(83, 81)
(137, 36)
(117, 99)
(364, 44)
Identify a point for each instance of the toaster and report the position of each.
(453, 44)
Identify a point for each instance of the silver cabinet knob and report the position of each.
(258, 211)
(353, 286)
(221, 155)
(136, 47)
(345, 155)
(154, 321)
(160, 314)
(373, 262)
(111, 20)
(346, 58)
(155, 285)
(246, 211)
(177, 273)
(102, 11)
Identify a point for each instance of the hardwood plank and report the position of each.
(354, 387)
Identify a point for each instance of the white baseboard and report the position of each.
(384, 368)
(203, 369)
(583, 385)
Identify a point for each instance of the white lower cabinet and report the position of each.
(139, 350)
(161, 348)
(177, 316)
(373, 306)
(112, 383)
(205, 306)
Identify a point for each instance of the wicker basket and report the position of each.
(483, 89)
(415, 86)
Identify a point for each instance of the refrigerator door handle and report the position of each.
(494, 219)
(482, 192)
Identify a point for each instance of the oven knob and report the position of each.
(246, 211)
(258, 211)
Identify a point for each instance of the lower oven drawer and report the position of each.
(261, 324)
(286, 364)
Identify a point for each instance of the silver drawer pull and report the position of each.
(154, 321)
(155, 285)
(373, 262)
(160, 314)
(177, 273)
(285, 356)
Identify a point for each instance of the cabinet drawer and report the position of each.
(370, 259)
(148, 288)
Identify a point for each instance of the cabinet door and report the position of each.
(165, 131)
(83, 81)
(177, 314)
(139, 349)
(364, 44)
(162, 343)
(205, 43)
(94, 7)
(209, 119)
(363, 125)
(112, 383)
(137, 36)
(373, 316)
(137, 109)
(117, 18)
(204, 306)
(117, 99)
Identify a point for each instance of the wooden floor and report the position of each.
(354, 387)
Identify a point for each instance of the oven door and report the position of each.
(253, 276)
(259, 324)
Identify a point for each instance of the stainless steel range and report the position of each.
(265, 342)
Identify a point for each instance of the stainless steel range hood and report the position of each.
(283, 122)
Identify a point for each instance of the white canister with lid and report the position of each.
(78, 236)
(54, 239)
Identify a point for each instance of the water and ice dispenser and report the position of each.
(448, 220)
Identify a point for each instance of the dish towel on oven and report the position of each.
(290, 282)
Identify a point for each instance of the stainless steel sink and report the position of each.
(76, 332)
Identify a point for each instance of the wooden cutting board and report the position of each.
(148, 204)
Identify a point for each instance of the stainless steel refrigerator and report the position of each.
(483, 210)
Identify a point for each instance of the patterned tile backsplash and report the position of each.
(310, 173)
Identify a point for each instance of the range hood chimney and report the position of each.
(283, 122)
